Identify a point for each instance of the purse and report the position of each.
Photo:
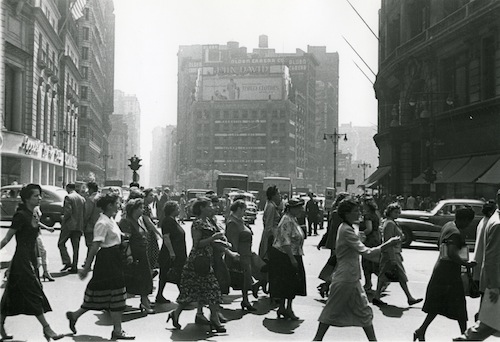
(202, 265)
(125, 250)
(471, 287)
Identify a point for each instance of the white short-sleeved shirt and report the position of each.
(107, 231)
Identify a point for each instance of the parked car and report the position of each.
(425, 226)
(51, 205)
(251, 211)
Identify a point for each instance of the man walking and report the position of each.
(312, 212)
(165, 197)
(91, 214)
(71, 227)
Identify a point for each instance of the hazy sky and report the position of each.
(149, 33)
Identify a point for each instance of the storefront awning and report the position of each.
(379, 173)
(439, 165)
(474, 168)
(492, 176)
(451, 169)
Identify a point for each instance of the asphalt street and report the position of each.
(394, 322)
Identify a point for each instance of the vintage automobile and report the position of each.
(251, 210)
(425, 226)
(51, 205)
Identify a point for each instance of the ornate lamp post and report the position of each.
(134, 166)
(105, 158)
(334, 137)
(65, 133)
(364, 165)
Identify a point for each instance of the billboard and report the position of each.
(242, 88)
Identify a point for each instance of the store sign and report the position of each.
(242, 88)
(30, 146)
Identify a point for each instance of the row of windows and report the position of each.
(241, 127)
(240, 114)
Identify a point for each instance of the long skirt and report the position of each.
(106, 290)
(23, 291)
(347, 306)
(153, 250)
(138, 279)
(285, 281)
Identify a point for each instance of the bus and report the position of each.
(284, 184)
(231, 181)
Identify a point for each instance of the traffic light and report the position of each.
(135, 163)
(430, 175)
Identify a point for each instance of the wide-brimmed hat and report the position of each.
(295, 202)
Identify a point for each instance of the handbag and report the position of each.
(393, 274)
(125, 250)
(471, 287)
(202, 265)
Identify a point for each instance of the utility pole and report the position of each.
(334, 137)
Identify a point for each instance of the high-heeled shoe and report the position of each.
(291, 315)
(255, 289)
(145, 309)
(414, 301)
(222, 318)
(217, 327)
(72, 321)
(47, 276)
(122, 335)
(201, 319)
(4, 336)
(49, 334)
(175, 320)
(417, 335)
(247, 306)
(281, 313)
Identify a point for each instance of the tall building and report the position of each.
(163, 156)
(251, 113)
(40, 91)
(438, 91)
(116, 162)
(96, 41)
(129, 106)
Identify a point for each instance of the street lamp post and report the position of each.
(65, 133)
(334, 137)
(364, 165)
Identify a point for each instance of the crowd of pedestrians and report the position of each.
(125, 258)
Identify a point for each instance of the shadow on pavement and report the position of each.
(194, 332)
(281, 326)
(90, 337)
(392, 310)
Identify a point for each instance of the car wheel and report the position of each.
(47, 220)
(407, 237)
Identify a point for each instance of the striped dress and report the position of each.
(106, 290)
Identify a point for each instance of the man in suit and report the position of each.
(489, 283)
(71, 227)
(91, 214)
(312, 212)
(165, 197)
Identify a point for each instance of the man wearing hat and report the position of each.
(312, 212)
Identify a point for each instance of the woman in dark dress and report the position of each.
(153, 233)
(287, 277)
(138, 279)
(369, 225)
(173, 253)
(106, 290)
(445, 292)
(23, 292)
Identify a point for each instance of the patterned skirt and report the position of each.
(106, 290)
(153, 250)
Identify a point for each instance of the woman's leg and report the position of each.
(47, 330)
(370, 333)
(116, 318)
(404, 286)
(462, 325)
(368, 278)
(214, 314)
(320, 333)
(145, 301)
(420, 332)
(161, 283)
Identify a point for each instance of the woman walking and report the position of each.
(138, 279)
(153, 233)
(445, 293)
(106, 290)
(370, 227)
(347, 303)
(23, 292)
(198, 281)
(240, 237)
(391, 259)
(287, 277)
(173, 253)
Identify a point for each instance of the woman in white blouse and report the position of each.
(107, 279)
(287, 277)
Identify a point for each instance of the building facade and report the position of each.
(96, 29)
(438, 91)
(116, 161)
(252, 113)
(163, 157)
(39, 71)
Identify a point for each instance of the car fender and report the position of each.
(413, 224)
